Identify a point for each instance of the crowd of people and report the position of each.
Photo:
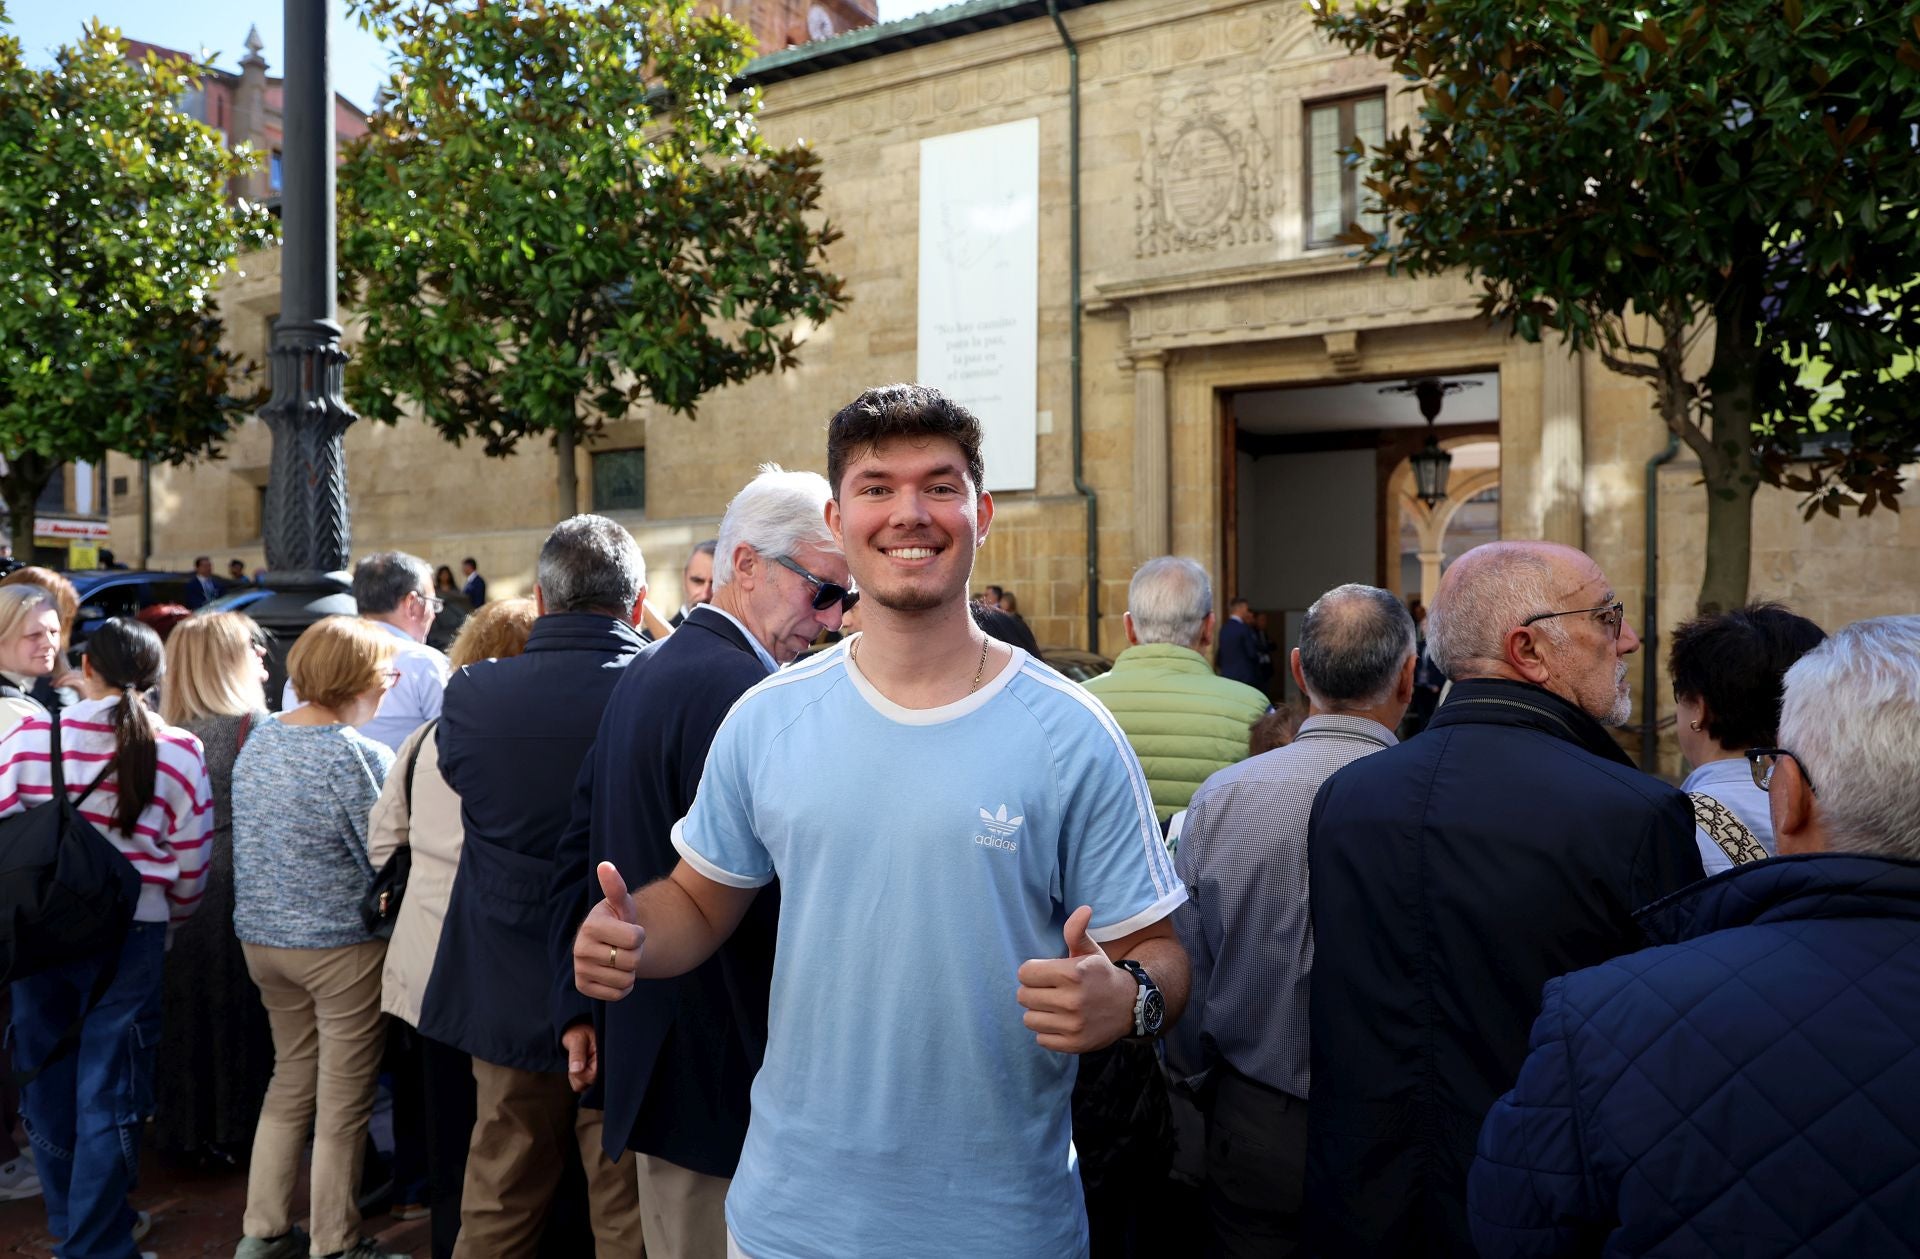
(701, 937)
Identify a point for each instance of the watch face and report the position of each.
(1154, 1011)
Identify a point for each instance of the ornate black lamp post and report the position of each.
(306, 529)
(1431, 464)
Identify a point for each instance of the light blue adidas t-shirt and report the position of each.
(923, 855)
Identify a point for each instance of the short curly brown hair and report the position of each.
(887, 411)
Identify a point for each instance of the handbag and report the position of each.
(1726, 830)
(380, 907)
(66, 894)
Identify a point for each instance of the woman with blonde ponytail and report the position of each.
(144, 786)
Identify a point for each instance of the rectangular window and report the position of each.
(53, 496)
(1335, 187)
(273, 170)
(620, 480)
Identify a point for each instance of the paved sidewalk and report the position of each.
(195, 1214)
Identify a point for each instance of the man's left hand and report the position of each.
(1080, 1002)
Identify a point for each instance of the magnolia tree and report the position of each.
(1718, 198)
(563, 208)
(115, 226)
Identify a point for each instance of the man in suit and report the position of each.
(1241, 657)
(202, 586)
(696, 580)
(476, 586)
(679, 1054)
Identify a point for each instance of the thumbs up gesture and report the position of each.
(607, 947)
(1079, 1002)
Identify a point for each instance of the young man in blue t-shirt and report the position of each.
(946, 815)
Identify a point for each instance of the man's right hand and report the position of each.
(607, 947)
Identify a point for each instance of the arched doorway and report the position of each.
(1431, 538)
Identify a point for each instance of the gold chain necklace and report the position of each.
(853, 653)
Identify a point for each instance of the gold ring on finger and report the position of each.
(613, 957)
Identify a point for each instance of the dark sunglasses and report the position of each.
(825, 593)
(1763, 761)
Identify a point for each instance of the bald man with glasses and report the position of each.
(1456, 873)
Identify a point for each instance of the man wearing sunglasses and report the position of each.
(1746, 1087)
(1456, 873)
(679, 1054)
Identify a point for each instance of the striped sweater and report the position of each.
(168, 845)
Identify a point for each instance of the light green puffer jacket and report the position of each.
(1184, 721)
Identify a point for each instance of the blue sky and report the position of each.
(359, 66)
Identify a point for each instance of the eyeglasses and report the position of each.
(392, 676)
(434, 602)
(1612, 615)
(1763, 761)
(825, 593)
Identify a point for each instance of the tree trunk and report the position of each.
(20, 486)
(1732, 473)
(567, 479)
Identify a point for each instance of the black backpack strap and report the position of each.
(60, 778)
(109, 961)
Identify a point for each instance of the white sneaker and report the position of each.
(19, 1179)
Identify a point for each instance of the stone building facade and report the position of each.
(1232, 403)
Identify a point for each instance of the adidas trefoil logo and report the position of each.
(999, 823)
(1000, 830)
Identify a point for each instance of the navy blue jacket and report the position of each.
(1453, 876)
(1750, 1088)
(513, 734)
(1240, 654)
(677, 1056)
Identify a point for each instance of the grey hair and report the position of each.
(384, 579)
(700, 548)
(1851, 716)
(1354, 642)
(1170, 599)
(590, 564)
(776, 514)
(1487, 592)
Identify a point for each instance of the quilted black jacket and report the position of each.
(1750, 1089)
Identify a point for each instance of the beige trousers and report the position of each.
(524, 1119)
(686, 1212)
(324, 1008)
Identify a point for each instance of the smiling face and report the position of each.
(31, 653)
(910, 519)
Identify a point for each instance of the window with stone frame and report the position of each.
(620, 480)
(1336, 195)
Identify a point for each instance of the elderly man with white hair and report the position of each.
(1747, 1087)
(1185, 722)
(679, 1054)
(1455, 874)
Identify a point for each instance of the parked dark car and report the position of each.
(107, 593)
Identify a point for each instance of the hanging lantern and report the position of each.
(1430, 468)
(1431, 464)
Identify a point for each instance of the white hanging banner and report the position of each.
(979, 286)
